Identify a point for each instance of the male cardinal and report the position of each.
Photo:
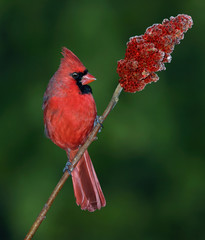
(69, 116)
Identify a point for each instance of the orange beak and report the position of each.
(88, 78)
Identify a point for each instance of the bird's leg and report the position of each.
(68, 163)
(97, 120)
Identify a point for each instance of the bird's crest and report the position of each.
(71, 60)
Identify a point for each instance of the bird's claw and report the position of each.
(97, 120)
(67, 167)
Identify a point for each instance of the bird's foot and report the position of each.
(67, 167)
(97, 120)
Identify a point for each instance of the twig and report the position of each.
(95, 130)
(75, 160)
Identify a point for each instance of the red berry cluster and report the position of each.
(146, 54)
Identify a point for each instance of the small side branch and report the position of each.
(76, 159)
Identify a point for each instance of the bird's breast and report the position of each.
(70, 119)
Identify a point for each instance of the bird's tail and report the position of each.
(86, 186)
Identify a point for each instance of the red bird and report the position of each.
(69, 116)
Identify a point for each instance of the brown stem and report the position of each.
(76, 159)
(95, 130)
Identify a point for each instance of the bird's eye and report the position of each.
(75, 75)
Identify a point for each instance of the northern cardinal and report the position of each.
(69, 116)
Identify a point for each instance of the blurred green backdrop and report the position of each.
(150, 156)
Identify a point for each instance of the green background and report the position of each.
(150, 156)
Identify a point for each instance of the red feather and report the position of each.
(86, 186)
(69, 115)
